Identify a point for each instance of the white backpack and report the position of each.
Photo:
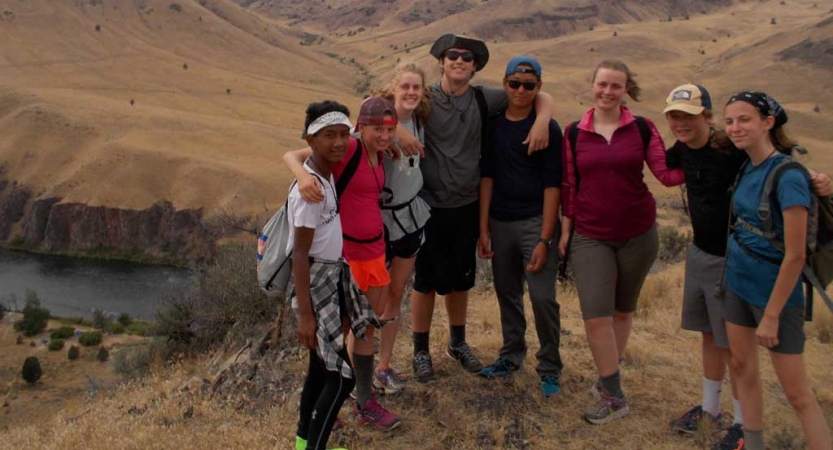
(274, 264)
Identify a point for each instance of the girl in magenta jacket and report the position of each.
(615, 242)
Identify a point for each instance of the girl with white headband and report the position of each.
(360, 181)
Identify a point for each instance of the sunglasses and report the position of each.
(528, 85)
(452, 55)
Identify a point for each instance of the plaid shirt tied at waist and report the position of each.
(328, 280)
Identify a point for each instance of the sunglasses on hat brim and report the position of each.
(453, 55)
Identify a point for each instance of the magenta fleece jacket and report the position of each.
(613, 202)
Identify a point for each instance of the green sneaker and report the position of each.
(301, 444)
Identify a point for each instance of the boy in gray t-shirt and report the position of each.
(446, 263)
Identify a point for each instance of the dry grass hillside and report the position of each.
(123, 103)
(661, 375)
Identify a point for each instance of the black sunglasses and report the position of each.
(452, 55)
(528, 85)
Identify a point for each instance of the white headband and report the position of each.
(331, 118)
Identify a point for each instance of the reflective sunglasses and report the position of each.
(528, 85)
(452, 55)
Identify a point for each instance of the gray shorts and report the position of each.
(702, 310)
(610, 274)
(790, 323)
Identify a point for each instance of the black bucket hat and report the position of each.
(476, 46)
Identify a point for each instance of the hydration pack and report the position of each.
(818, 269)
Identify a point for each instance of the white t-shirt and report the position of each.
(323, 217)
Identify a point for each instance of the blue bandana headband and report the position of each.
(765, 104)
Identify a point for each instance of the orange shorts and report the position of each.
(370, 273)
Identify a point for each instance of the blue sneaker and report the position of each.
(501, 368)
(550, 386)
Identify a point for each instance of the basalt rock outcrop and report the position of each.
(160, 233)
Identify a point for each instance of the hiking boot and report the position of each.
(733, 439)
(550, 386)
(375, 414)
(501, 368)
(690, 421)
(464, 355)
(607, 408)
(387, 382)
(423, 367)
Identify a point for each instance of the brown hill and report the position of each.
(125, 103)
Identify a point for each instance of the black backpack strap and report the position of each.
(572, 138)
(644, 132)
(349, 169)
(480, 97)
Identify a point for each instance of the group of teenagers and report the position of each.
(432, 176)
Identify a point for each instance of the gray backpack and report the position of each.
(818, 270)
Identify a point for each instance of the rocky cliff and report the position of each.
(159, 233)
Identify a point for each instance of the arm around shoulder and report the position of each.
(308, 186)
(656, 158)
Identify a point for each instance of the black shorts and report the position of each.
(405, 247)
(790, 323)
(446, 263)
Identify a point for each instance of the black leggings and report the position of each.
(324, 393)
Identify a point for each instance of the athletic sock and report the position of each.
(363, 367)
(613, 385)
(421, 342)
(753, 439)
(458, 335)
(738, 413)
(711, 396)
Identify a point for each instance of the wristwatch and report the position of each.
(546, 241)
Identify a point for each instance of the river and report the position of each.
(72, 287)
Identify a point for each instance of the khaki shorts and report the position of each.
(702, 310)
(791, 335)
(610, 274)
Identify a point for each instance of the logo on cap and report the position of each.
(682, 95)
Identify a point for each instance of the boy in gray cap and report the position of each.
(453, 134)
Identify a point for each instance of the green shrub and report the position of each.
(63, 332)
(73, 353)
(55, 345)
(103, 354)
(100, 320)
(80, 321)
(135, 361)
(224, 292)
(34, 319)
(672, 244)
(31, 371)
(124, 319)
(114, 328)
(140, 328)
(90, 338)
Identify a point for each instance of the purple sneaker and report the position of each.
(375, 414)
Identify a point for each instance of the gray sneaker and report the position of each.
(423, 367)
(464, 355)
(387, 382)
(607, 408)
